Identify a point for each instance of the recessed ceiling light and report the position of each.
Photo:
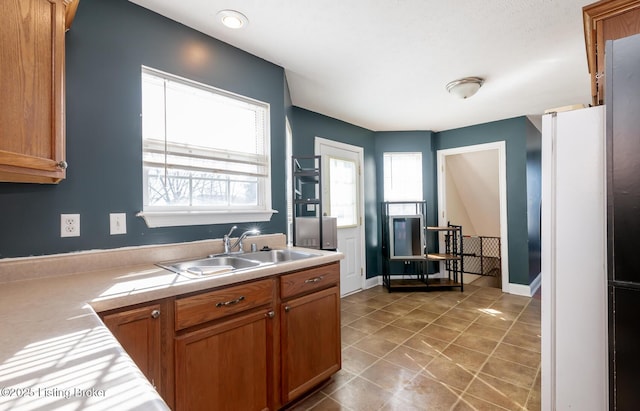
(233, 19)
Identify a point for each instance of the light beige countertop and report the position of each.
(55, 352)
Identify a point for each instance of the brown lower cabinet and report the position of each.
(230, 348)
(139, 332)
(310, 330)
(226, 366)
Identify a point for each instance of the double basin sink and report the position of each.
(225, 263)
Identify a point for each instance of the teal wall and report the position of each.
(410, 141)
(308, 125)
(107, 44)
(110, 40)
(514, 133)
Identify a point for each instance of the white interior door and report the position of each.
(342, 198)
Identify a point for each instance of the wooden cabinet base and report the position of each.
(227, 366)
(240, 347)
(310, 341)
(139, 332)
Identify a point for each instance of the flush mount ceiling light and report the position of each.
(233, 19)
(465, 87)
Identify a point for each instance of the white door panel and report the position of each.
(349, 273)
(344, 162)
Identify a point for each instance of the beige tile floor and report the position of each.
(443, 350)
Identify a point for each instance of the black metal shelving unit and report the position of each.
(413, 272)
(452, 258)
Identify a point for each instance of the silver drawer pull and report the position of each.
(314, 280)
(155, 313)
(232, 302)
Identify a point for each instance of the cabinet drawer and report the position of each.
(211, 305)
(309, 280)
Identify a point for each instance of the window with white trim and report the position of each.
(205, 153)
(402, 179)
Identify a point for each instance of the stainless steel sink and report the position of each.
(221, 264)
(278, 256)
(210, 266)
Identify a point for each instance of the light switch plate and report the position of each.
(118, 223)
(69, 225)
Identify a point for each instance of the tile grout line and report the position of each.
(489, 357)
(422, 368)
(439, 352)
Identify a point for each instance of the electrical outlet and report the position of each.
(118, 223)
(69, 225)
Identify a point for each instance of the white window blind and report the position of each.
(203, 148)
(402, 179)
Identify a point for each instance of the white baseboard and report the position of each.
(525, 290)
(536, 284)
(373, 282)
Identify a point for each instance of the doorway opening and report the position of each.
(472, 193)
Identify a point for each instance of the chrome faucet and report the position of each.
(238, 243)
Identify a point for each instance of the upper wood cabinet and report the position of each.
(32, 115)
(606, 20)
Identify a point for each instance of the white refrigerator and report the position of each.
(574, 280)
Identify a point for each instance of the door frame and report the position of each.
(360, 152)
(502, 190)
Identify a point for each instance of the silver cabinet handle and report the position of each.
(62, 165)
(232, 302)
(287, 308)
(314, 280)
(155, 313)
(270, 314)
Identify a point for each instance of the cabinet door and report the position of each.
(226, 366)
(603, 21)
(139, 333)
(310, 341)
(32, 84)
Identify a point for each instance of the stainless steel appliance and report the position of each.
(308, 233)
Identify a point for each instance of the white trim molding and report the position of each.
(319, 144)
(525, 290)
(156, 219)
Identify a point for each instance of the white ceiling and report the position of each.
(384, 64)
